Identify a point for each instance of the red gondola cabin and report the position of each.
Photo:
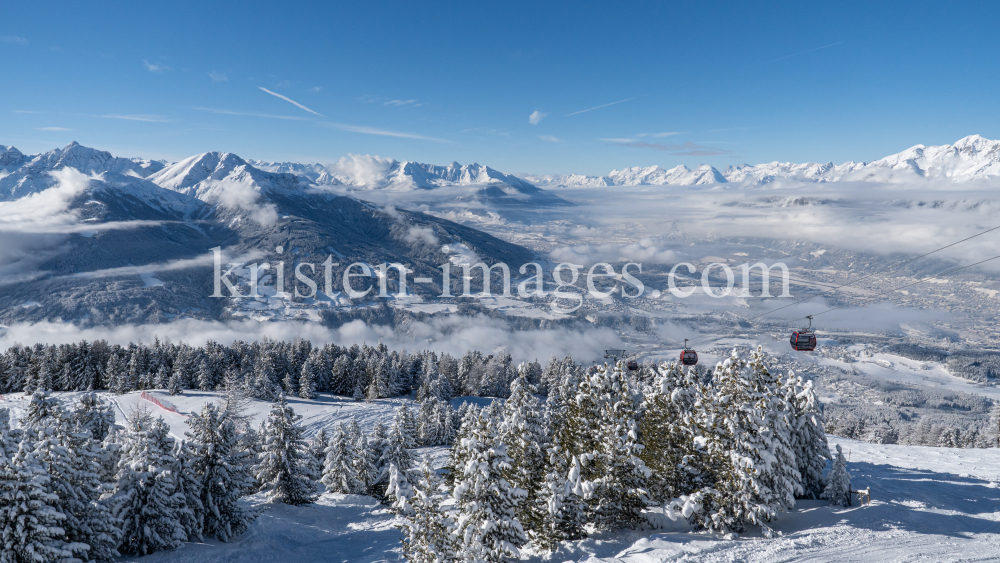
(633, 365)
(689, 357)
(803, 341)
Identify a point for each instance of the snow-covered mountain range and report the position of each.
(104, 240)
(970, 158)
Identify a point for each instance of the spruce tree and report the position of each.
(838, 483)
(307, 382)
(808, 437)
(748, 428)
(340, 474)
(621, 475)
(145, 496)
(394, 452)
(30, 524)
(220, 465)
(486, 501)
(523, 430)
(668, 427)
(399, 491)
(429, 533)
(284, 469)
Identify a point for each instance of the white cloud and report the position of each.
(660, 135)
(315, 88)
(148, 118)
(550, 138)
(643, 251)
(13, 39)
(452, 334)
(397, 103)
(239, 195)
(536, 116)
(382, 132)
(363, 169)
(291, 101)
(155, 67)
(614, 140)
(52, 129)
(218, 76)
(422, 234)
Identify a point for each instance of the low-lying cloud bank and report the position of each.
(452, 334)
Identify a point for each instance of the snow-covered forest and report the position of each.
(595, 451)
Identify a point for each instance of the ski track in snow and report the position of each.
(928, 504)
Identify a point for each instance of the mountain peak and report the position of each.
(10, 156)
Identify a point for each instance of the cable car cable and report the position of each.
(946, 273)
(886, 269)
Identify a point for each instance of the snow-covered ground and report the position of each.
(928, 504)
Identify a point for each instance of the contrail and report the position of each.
(289, 100)
(804, 52)
(599, 107)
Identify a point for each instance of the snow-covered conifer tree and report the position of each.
(399, 491)
(668, 427)
(429, 531)
(145, 496)
(339, 471)
(29, 521)
(748, 428)
(838, 482)
(486, 500)
(395, 452)
(307, 382)
(284, 469)
(221, 467)
(523, 430)
(808, 437)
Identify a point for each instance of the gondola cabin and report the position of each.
(804, 341)
(689, 357)
(633, 365)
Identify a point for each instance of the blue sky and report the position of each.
(698, 82)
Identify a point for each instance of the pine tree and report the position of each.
(366, 463)
(487, 502)
(429, 533)
(394, 452)
(524, 431)
(71, 460)
(220, 465)
(407, 424)
(399, 491)
(458, 454)
(116, 376)
(668, 428)
(145, 497)
(284, 469)
(307, 382)
(757, 473)
(838, 483)
(205, 377)
(339, 472)
(174, 383)
(339, 375)
(93, 414)
(808, 437)
(29, 522)
(563, 509)
(188, 487)
(618, 501)
(317, 447)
